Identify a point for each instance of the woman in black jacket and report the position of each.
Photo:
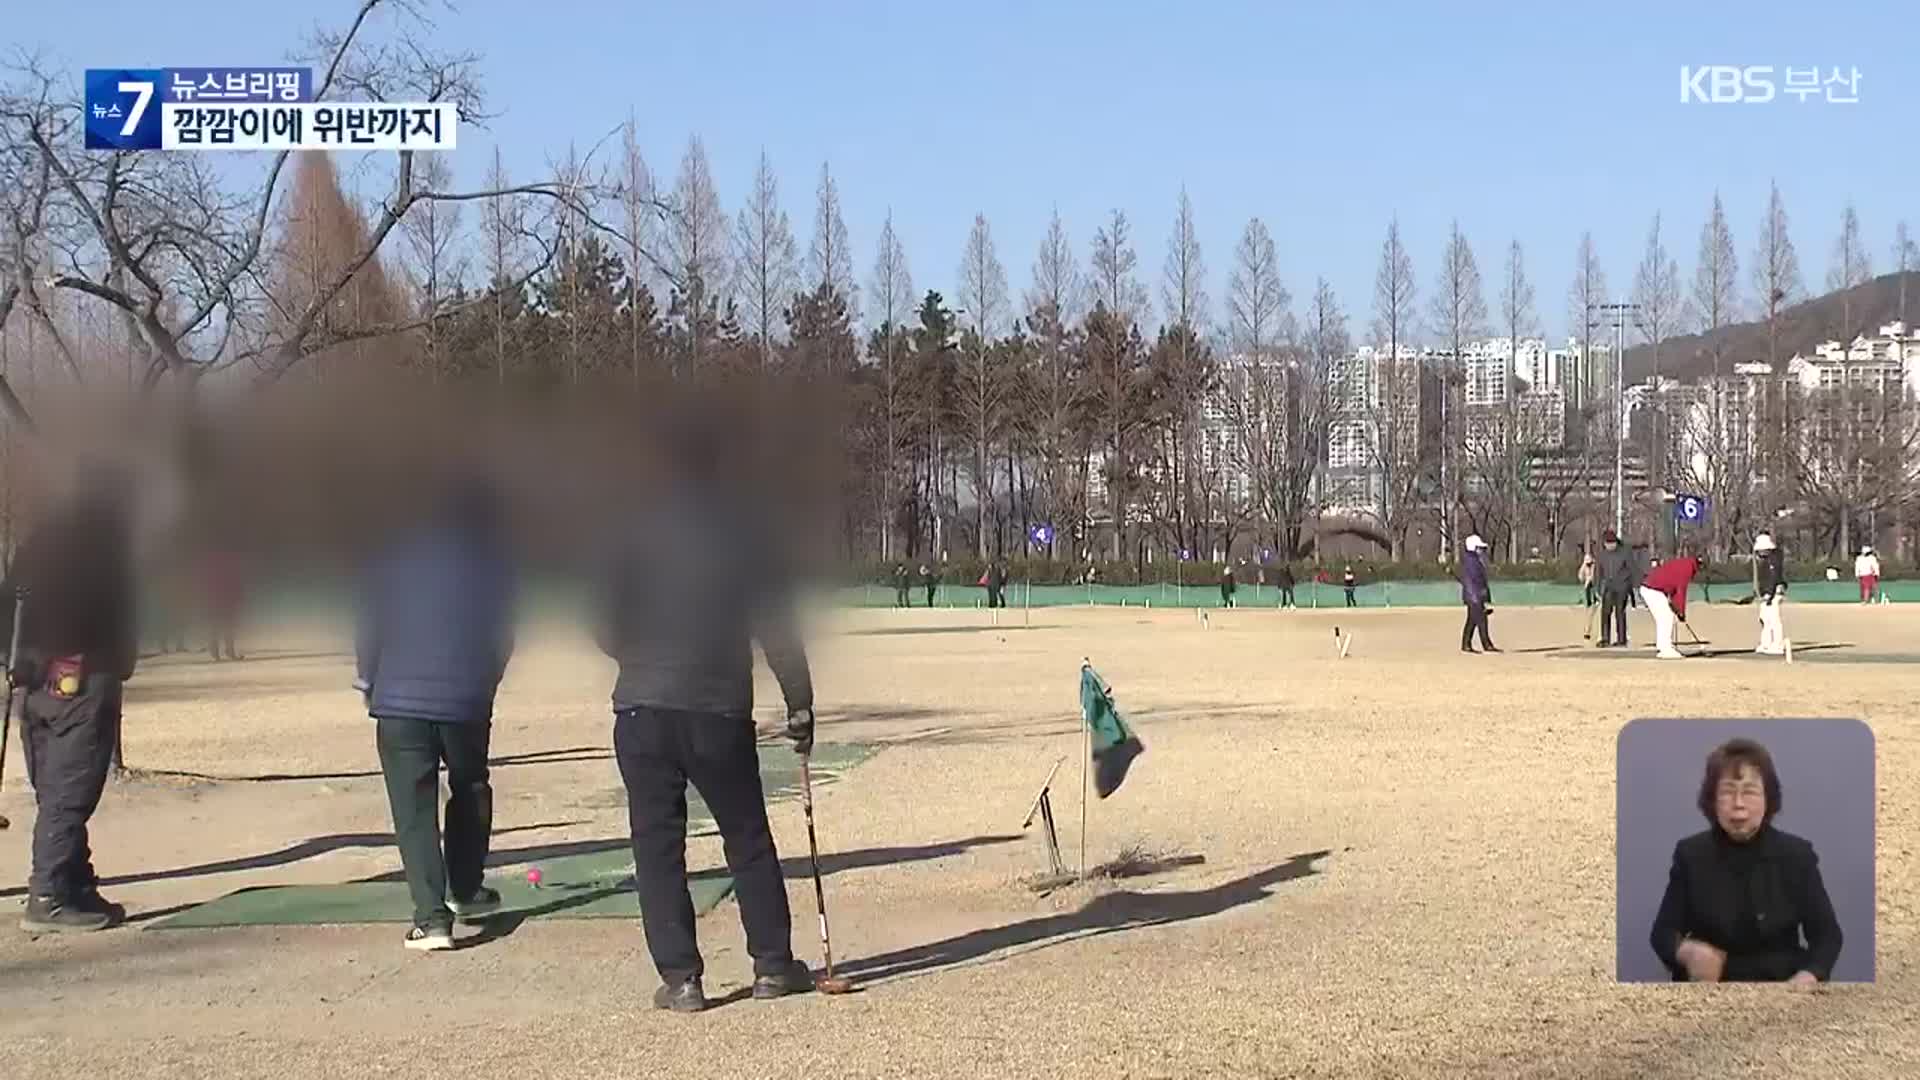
(1742, 894)
(1769, 592)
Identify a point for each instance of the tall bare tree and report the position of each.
(830, 258)
(1112, 279)
(639, 203)
(1584, 297)
(1256, 391)
(433, 247)
(1458, 316)
(1656, 293)
(1115, 361)
(1777, 286)
(1906, 259)
(1185, 374)
(892, 298)
(696, 253)
(1852, 266)
(763, 261)
(983, 389)
(1720, 442)
(1395, 406)
(504, 221)
(1324, 343)
(1519, 319)
(1053, 396)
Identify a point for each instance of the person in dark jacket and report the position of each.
(1769, 593)
(689, 589)
(1283, 577)
(929, 581)
(1349, 582)
(902, 586)
(1227, 585)
(1741, 895)
(436, 632)
(79, 642)
(998, 579)
(1615, 579)
(1476, 594)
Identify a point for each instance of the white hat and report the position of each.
(1474, 543)
(1763, 542)
(1866, 549)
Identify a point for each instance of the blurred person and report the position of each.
(79, 644)
(1742, 894)
(1616, 581)
(1283, 577)
(929, 581)
(902, 586)
(689, 588)
(435, 636)
(1349, 583)
(1866, 570)
(1664, 592)
(997, 583)
(1586, 577)
(1227, 585)
(1476, 594)
(225, 594)
(1769, 593)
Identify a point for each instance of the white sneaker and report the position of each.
(1670, 654)
(430, 938)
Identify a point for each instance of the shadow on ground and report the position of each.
(532, 757)
(1110, 913)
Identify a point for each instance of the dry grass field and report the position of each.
(1395, 864)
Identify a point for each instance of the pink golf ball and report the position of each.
(533, 877)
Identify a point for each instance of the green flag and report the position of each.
(1114, 744)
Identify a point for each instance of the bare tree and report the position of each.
(1777, 286)
(434, 247)
(696, 252)
(1113, 265)
(830, 259)
(1115, 355)
(1906, 259)
(1656, 292)
(1256, 386)
(1325, 343)
(504, 220)
(640, 205)
(1459, 315)
(1518, 317)
(1394, 405)
(892, 297)
(1053, 394)
(1185, 374)
(763, 260)
(1721, 457)
(1852, 266)
(983, 390)
(1584, 297)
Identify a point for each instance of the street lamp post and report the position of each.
(1619, 313)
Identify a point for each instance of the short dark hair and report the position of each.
(1727, 758)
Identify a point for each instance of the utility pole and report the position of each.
(1619, 313)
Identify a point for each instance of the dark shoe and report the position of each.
(92, 901)
(795, 980)
(481, 904)
(1469, 649)
(45, 915)
(1489, 648)
(430, 938)
(685, 997)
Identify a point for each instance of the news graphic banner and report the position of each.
(270, 108)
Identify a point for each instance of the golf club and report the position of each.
(827, 983)
(1704, 651)
(13, 662)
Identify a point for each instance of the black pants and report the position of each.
(69, 749)
(411, 753)
(902, 597)
(994, 597)
(1351, 602)
(1476, 619)
(1286, 596)
(929, 596)
(660, 752)
(1613, 615)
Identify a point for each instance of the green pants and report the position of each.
(411, 753)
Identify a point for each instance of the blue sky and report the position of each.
(1527, 120)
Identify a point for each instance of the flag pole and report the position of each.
(1086, 665)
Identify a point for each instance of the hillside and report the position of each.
(1801, 328)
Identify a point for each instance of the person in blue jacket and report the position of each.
(1476, 594)
(435, 634)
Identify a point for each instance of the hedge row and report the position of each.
(967, 571)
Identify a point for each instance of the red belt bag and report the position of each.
(66, 675)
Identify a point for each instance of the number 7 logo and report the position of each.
(143, 96)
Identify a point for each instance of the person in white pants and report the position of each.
(1664, 592)
(1770, 593)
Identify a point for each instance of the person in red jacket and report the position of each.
(1664, 592)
